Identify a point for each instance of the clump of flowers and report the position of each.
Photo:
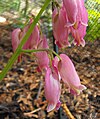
(70, 18)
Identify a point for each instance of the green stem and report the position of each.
(34, 50)
(39, 50)
(18, 51)
(56, 54)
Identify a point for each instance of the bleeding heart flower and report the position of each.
(42, 56)
(76, 12)
(77, 19)
(34, 38)
(69, 75)
(52, 89)
(79, 34)
(71, 10)
(15, 38)
(60, 32)
(31, 43)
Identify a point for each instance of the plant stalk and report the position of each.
(41, 50)
(25, 38)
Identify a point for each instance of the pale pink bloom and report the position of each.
(15, 38)
(69, 75)
(52, 89)
(60, 32)
(75, 12)
(42, 56)
(34, 38)
(77, 19)
(79, 32)
(31, 43)
(71, 10)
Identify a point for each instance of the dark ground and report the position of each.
(22, 93)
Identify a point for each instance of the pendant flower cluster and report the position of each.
(62, 69)
(35, 41)
(71, 18)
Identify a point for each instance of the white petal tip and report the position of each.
(82, 87)
(50, 107)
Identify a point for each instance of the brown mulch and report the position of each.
(22, 91)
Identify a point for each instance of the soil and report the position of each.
(22, 89)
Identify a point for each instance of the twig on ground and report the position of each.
(30, 114)
(68, 113)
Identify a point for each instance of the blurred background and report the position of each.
(17, 11)
(22, 89)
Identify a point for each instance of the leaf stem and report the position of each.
(18, 50)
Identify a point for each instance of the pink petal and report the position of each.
(60, 32)
(71, 9)
(42, 60)
(33, 40)
(42, 56)
(79, 34)
(16, 38)
(52, 90)
(69, 74)
(51, 106)
(77, 19)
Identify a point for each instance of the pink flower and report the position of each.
(31, 43)
(77, 19)
(71, 9)
(80, 31)
(69, 75)
(76, 12)
(34, 38)
(42, 56)
(52, 89)
(79, 34)
(15, 38)
(60, 32)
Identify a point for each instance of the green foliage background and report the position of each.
(93, 30)
(24, 9)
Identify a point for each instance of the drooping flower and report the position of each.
(34, 38)
(42, 56)
(76, 12)
(69, 75)
(15, 38)
(31, 43)
(80, 31)
(78, 35)
(60, 32)
(77, 19)
(52, 89)
(71, 10)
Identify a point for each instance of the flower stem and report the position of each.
(40, 50)
(18, 50)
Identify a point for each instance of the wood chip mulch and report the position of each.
(22, 90)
